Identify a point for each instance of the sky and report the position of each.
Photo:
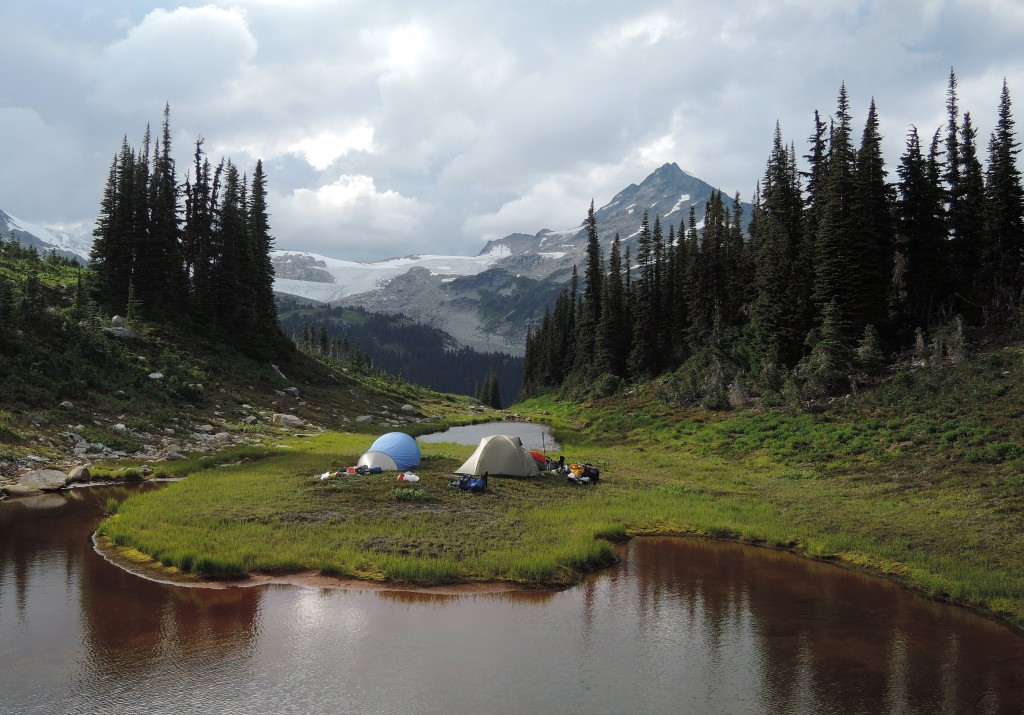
(390, 128)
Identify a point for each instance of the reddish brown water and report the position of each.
(680, 626)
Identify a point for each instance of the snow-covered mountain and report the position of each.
(488, 301)
(45, 240)
(668, 193)
(329, 280)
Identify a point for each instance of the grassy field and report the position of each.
(920, 480)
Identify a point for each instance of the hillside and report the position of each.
(399, 345)
(75, 388)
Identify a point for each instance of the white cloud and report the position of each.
(650, 30)
(392, 126)
(349, 212)
(187, 56)
(326, 147)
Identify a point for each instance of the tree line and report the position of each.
(195, 252)
(840, 269)
(395, 345)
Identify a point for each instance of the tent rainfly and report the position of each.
(394, 451)
(500, 454)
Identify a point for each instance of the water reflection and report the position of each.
(678, 626)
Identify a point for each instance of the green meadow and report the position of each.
(919, 481)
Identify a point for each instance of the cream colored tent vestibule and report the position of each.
(502, 455)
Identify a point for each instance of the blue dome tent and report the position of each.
(394, 450)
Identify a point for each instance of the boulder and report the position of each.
(206, 429)
(120, 427)
(173, 456)
(365, 419)
(79, 474)
(67, 405)
(291, 391)
(38, 481)
(287, 420)
(155, 376)
(222, 436)
(117, 321)
(120, 333)
(408, 408)
(251, 420)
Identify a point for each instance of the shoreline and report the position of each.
(150, 570)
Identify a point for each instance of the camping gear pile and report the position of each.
(394, 451)
(469, 483)
(504, 455)
(497, 455)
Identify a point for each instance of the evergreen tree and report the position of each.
(641, 359)
(262, 245)
(777, 311)
(968, 223)
(162, 281)
(837, 255)
(1004, 216)
(590, 310)
(921, 242)
(613, 330)
(872, 234)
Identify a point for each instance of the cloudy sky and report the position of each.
(390, 127)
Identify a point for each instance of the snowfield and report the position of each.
(353, 278)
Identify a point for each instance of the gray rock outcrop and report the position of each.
(38, 481)
(287, 420)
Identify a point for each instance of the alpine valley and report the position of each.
(485, 302)
(488, 301)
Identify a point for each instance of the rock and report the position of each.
(117, 321)
(365, 419)
(175, 456)
(251, 420)
(408, 408)
(174, 448)
(287, 420)
(120, 427)
(120, 333)
(222, 436)
(67, 405)
(45, 480)
(292, 391)
(155, 376)
(79, 474)
(38, 420)
(206, 429)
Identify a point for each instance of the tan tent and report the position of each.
(500, 454)
(377, 459)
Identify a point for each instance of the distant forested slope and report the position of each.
(399, 346)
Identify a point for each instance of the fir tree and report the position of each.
(921, 242)
(613, 330)
(837, 255)
(872, 236)
(1004, 217)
